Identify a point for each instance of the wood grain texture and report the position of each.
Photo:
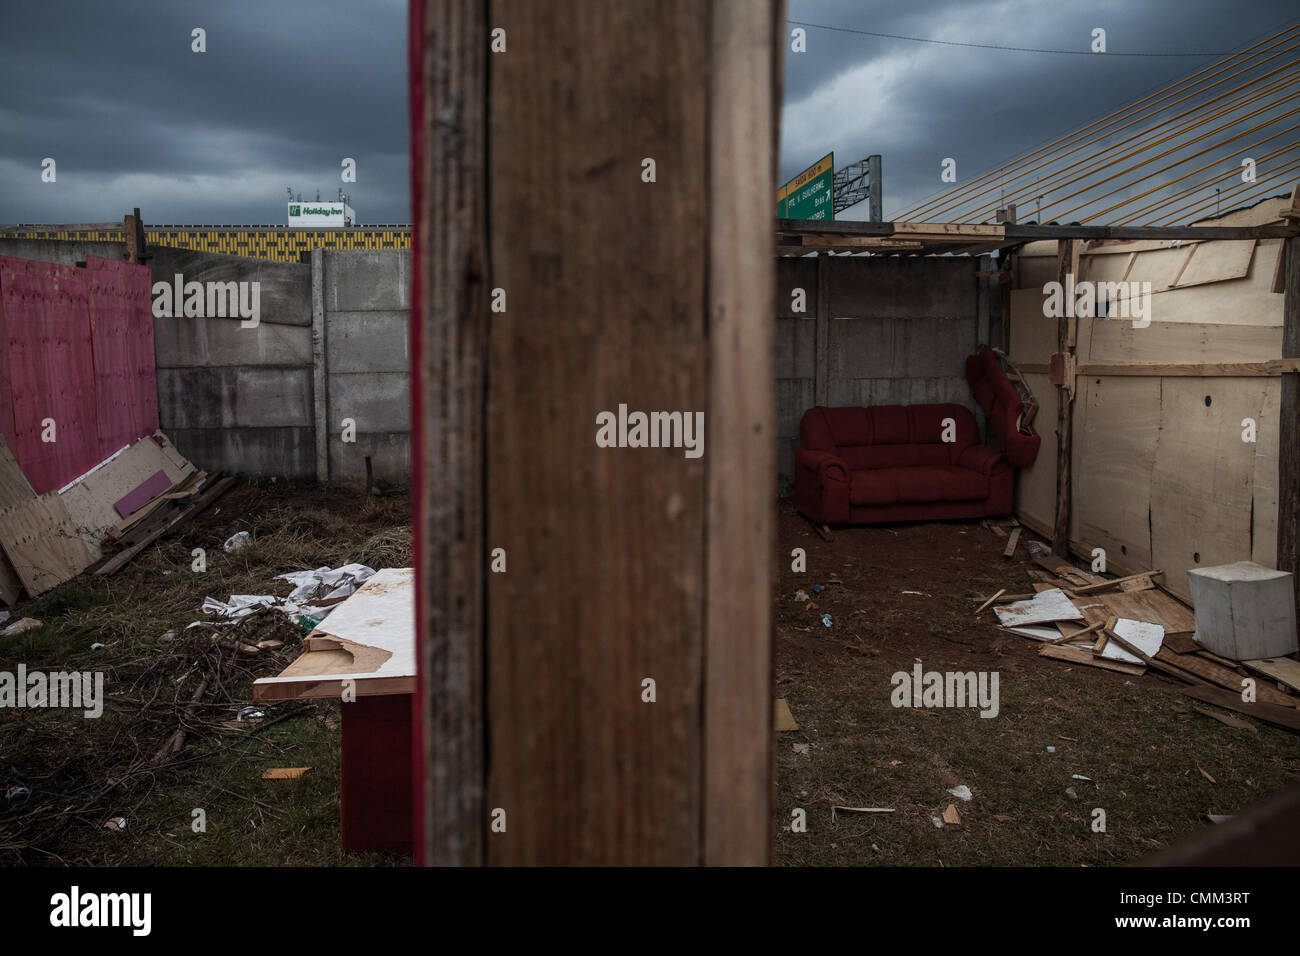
(738, 758)
(449, 342)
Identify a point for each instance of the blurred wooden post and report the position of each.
(594, 208)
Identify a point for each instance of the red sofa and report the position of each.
(890, 463)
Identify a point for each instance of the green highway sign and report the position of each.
(808, 195)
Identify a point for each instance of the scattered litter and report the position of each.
(818, 589)
(336, 583)
(239, 605)
(782, 716)
(835, 810)
(1051, 749)
(4, 616)
(826, 619)
(1035, 547)
(117, 823)
(951, 817)
(1079, 776)
(249, 713)
(284, 773)
(1002, 818)
(168, 635)
(26, 624)
(937, 822)
(1206, 775)
(17, 793)
(801, 748)
(97, 645)
(876, 848)
(801, 595)
(920, 593)
(241, 539)
(1069, 792)
(269, 645)
(1218, 817)
(961, 793)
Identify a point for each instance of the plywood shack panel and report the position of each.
(1264, 486)
(39, 539)
(1117, 421)
(1033, 335)
(1116, 340)
(1217, 262)
(1202, 477)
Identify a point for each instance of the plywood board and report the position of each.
(1201, 480)
(1283, 669)
(1153, 606)
(1117, 421)
(1217, 261)
(1116, 340)
(41, 542)
(91, 500)
(1076, 655)
(369, 639)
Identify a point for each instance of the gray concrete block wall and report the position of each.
(366, 297)
(897, 332)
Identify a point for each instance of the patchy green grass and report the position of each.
(83, 772)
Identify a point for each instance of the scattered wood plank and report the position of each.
(1010, 550)
(1181, 642)
(200, 504)
(1234, 722)
(980, 610)
(1075, 655)
(1067, 637)
(1283, 669)
(1116, 582)
(1287, 718)
(1221, 676)
(821, 529)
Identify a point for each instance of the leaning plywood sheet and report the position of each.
(1153, 606)
(1217, 261)
(92, 499)
(13, 483)
(1201, 481)
(1042, 608)
(368, 641)
(40, 540)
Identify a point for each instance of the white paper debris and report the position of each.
(1042, 608)
(1145, 637)
(961, 793)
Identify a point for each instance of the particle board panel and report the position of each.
(589, 772)
(41, 542)
(1116, 340)
(1116, 426)
(1201, 492)
(1152, 606)
(1217, 261)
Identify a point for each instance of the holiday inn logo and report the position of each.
(295, 210)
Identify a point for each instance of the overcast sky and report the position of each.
(112, 91)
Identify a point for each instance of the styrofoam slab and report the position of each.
(1144, 636)
(1043, 608)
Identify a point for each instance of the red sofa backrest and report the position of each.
(888, 436)
(1002, 405)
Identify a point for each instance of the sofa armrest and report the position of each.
(982, 458)
(826, 465)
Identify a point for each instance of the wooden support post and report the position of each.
(1288, 458)
(624, 652)
(447, 44)
(821, 347)
(1067, 262)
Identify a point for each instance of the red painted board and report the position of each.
(121, 321)
(49, 356)
(375, 774)
(142, 494)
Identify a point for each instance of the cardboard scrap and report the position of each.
(783, 718)
(951, 817)
(284, 773)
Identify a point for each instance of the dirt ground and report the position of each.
(81, 773)
(1157, 766)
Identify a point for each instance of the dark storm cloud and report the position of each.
(917, 103)
(284, 92)
(288, 89)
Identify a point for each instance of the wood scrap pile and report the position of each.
(100, 520)
(1129, 625)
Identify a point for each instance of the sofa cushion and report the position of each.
(873, 487)
(848, 425)
(895, 456)
(937, 483)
